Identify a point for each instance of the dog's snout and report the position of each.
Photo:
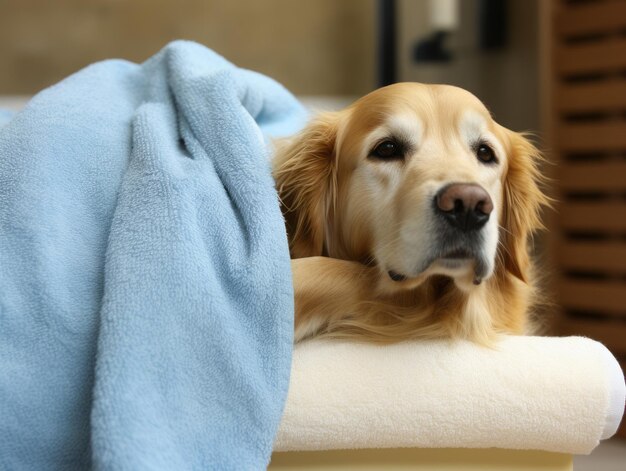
(466, 206)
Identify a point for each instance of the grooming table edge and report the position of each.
(422, 459)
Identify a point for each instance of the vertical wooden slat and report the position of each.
(600, 177)
(593, 136)
(603, 95)
(608, 257)
(606, 296)
(594, 17)
(607, 216)
(597, 57)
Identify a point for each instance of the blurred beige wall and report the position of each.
(311, 46)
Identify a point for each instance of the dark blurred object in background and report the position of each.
(494, 21)
(386, 38)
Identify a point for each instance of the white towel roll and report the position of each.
(541, 393)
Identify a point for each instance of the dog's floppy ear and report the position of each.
(305, 175)
(523, 200)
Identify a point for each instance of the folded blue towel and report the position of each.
(146, 307)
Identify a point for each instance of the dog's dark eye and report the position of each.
(387, 150)
(485, 153)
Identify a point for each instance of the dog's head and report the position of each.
(417, 179)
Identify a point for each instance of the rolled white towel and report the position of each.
(539, 393)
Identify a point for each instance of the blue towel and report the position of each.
(146, 306)
(5, 116)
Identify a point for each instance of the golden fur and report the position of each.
(341, 227)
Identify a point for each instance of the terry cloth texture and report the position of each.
(5, 116)
(146, 306)
(538, 393)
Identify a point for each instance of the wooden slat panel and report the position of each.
(594, 216)
(588, 118)
(609, 176)
(607, 296)
(601, 56)
(588, 137)
(591, 18)
(588, 97)
(610, 333)
(604, 257)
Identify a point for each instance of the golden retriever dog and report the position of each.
(409, 215)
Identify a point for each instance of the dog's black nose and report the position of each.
(466, 206)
